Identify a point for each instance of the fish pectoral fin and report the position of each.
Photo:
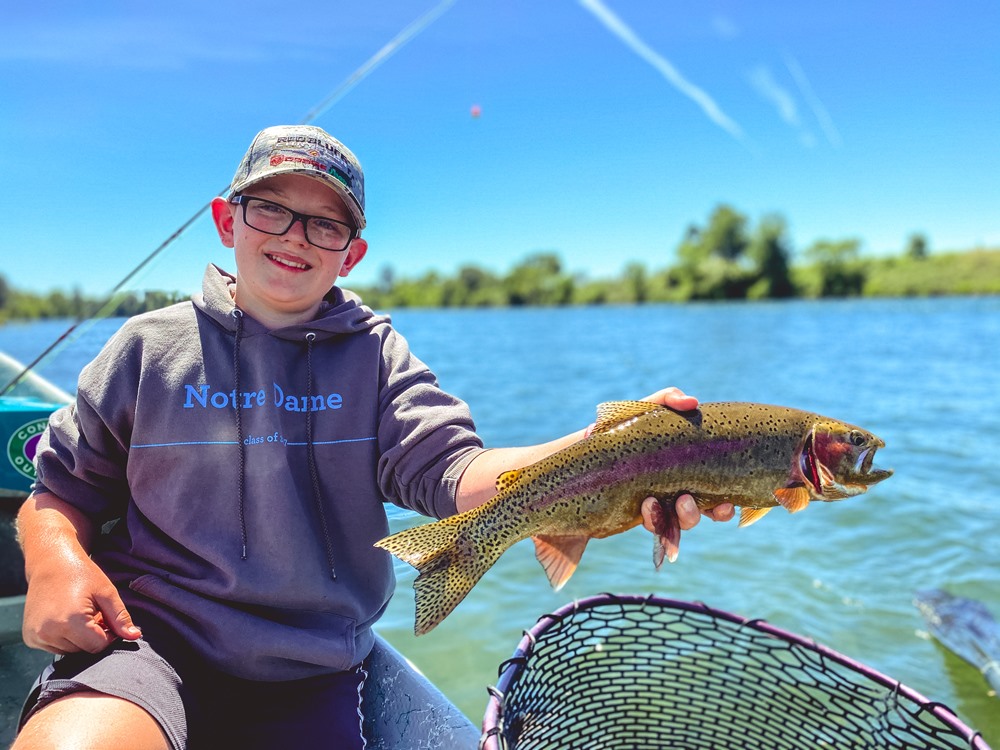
(507, 479)
(752, 515)
(792, 499)
(613, 414)
(559, 556)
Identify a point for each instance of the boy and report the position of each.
(245, 442)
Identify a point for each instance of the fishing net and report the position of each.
(633, 672)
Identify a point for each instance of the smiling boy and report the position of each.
(199, 551)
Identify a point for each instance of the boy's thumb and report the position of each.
(117, 618)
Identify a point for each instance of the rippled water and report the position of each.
(922, 374)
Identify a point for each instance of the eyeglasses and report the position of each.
(273, 218)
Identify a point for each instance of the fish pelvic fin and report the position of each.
(792, 499)
(752, 515)
(449, 561)
(612, 414)
(559, 556)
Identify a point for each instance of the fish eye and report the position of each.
(857, 438)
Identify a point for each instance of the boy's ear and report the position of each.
(355, 252)
(223, 213)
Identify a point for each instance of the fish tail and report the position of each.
(449, 561)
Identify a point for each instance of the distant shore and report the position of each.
(540, 280)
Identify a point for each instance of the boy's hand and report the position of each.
(73, 607)
(668, 519)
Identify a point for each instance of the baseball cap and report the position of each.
(306, 150)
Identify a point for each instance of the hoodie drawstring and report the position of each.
(238, 315)
(311, 450)
(310, 447)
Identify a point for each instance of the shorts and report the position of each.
(200, 707)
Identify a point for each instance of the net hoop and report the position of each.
(509, 715)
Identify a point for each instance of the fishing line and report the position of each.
(387, 51)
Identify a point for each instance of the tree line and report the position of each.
(726, 258)
(21, 305)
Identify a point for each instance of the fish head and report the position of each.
(836, 460)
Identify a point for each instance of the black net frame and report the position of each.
(632, 672)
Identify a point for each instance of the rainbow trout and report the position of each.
(752, 455)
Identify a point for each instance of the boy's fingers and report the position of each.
(116, 619)
(723, 512)
(674, 398)
(688, 514)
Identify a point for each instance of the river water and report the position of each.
(922, 374)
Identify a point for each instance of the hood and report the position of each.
(340, 312)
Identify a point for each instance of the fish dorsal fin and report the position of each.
(752, 515)
(507, 479)
(613, 414)
(792, 499)
(559, 556)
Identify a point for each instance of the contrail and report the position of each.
(765, 84)
(762, 80)
(825, 121)
(618, 27)
(378, 58)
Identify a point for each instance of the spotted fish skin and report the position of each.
(755, 456)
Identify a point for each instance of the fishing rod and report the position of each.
(387, 51)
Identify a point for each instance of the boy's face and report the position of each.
(285, 275)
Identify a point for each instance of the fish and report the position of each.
(755, 456)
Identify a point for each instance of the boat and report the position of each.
(402, 708)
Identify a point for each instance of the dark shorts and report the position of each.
(203, 708)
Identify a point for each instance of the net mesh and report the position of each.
(645, 672)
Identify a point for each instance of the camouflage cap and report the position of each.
(306, 150)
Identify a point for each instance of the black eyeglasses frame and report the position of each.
(243, 200)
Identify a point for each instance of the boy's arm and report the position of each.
(71, 605)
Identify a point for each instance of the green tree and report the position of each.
(539, 280)
(725, 236)
(635, 283)
(837, 266)
(769, 250)
(916, 246)
(712, 263)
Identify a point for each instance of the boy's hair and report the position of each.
(306, 150)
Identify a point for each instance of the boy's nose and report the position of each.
(298, 230)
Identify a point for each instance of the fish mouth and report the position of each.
(867, 473)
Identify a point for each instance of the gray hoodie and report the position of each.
(249, 468)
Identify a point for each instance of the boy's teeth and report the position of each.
(288, 262)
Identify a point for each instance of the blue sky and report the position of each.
(607, 127)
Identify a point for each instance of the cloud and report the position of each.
(673, 76)
(819, 111)
(762, 80)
